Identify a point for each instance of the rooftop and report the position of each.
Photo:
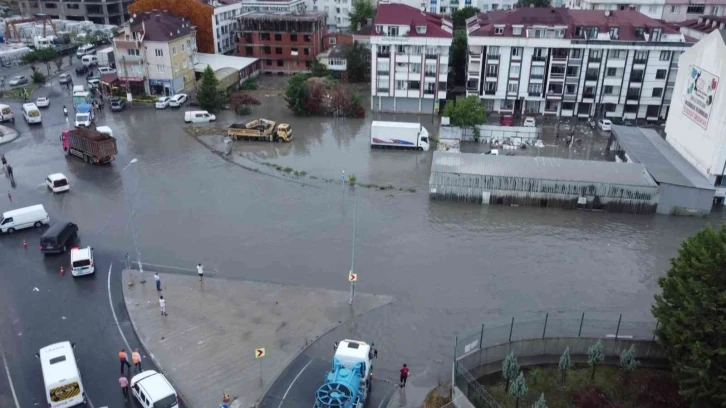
(340, 51)
(543, 168)
(403, 14)
(705, 24)
(631, 25)
(659, 158)
(219, 61)
(160, 26)
(283, 16)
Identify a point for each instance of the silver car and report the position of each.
(18, 79)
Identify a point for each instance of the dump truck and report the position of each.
(260, 129)
(90, 145)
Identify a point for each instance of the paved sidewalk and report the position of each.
(7, 134)
(206, 344)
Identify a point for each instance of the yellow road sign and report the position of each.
(352, 277)
(260, 352)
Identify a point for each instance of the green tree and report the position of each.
(510, 368)
(361, 12)
(209, 96)
(38, 77)
(518, 388)
(628, 362)
(541, 402)
(43, 55)
(296, 94)
(460, 16)
(458, 51)
(691, 312)
(467, 113)
(535, 3)
(595, 356)
(317, 69)
(357, 64)
(564, 364)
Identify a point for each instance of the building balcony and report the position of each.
(383, 73)
(492, 74)
(632, 96)
(536, 76)
(431, 56)
(636, 78)
(472, 85)
(639, 61)
(559, 57)
(493, 57)
(539, 58)
(490, 91)
(535, 94)
(557, 76)
(382, 90)
(570, 97)
(474, 73)
(383, 54)
(428, 92)
(594, 59)
(430, 74)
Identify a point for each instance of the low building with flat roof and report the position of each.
(229, 70)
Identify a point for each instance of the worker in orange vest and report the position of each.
(124, 360)
(136, 359)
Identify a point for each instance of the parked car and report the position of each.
(118, 104)
(18, 79)
(81, 69)
(529, 122)
(93, 83)
(506, 120)
(42, 102)
(64, 78)
(198, 117)
(162, 102)
(177, 100)
(605, 124)
(152, 389)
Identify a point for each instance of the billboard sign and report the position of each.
(700, 91)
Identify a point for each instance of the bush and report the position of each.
(38, 77)
(351, 180)
(244, 110)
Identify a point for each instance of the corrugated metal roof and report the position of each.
(645, 146)
(543, 168)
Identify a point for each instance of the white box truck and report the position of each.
(399, 135)
(105, 57)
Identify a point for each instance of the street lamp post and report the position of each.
(352, 248)
(133, 225)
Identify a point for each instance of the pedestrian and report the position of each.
(10, 173)
(10, 197)
(404, 375)
(65, 111)
(162, 304)
(136, 359)
(123, 359)
(200, 272)
(124, 383)
(157, 279)
(5, 162)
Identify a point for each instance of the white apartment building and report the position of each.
(668, 10)
(223, 23)
(449, 6)
(583, 63)
(285, 6)
(409, 59)
(696, 126)
(337, 11)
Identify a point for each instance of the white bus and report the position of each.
(62, 379)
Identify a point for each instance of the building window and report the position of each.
(499, 30)
(516, 30)
(657, 92)
(493, 51)
(173, 50)
(266, 50)
(610, 107)
(280, 63)
(382, 85)
(512, 87)
(307, 51)
(675, 9)
(265, 36)
(651, 9)
(611, 72)
(176, 66)
(278, 37)
(331, 40)
(133, 52)
(612, 90)
(182, 47)
(537, 71)
(158, 52)
(306, 37)
(293, 37)
(665, 55)
(696, 9)
(535, 88)
(401, 85)
(616, 54)
(161, 69)
(278, 50)
(516, 52)
(660, 74)
(492, 70)
(514, 70)
(420, 29)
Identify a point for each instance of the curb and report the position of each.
(156, 362)
(8, 134)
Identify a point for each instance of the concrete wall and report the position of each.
(679, 200)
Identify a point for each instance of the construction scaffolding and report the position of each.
(281, 22)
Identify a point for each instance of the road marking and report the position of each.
(293, 383)
(10, 379)
(110, 303)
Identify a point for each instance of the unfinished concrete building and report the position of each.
(286, 43)
(98, 11)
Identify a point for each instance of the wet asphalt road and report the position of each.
(450, 267)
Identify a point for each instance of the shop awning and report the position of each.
(108, 79)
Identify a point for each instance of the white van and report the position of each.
(89, 60)
(82, 261)
(198, 116)
(31, 114)
(78, 88)
(85, 50)
(6, 113)
(63, 385)
(106, 70)
(33, 216)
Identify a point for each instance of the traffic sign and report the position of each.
(260, 352)
(352, 277)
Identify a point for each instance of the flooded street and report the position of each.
(450, 267)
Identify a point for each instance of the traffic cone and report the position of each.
(62, 271)
(25, 244)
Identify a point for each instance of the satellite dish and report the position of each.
(131, 20)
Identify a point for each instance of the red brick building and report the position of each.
(285, 43)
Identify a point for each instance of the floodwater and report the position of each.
(450, 267)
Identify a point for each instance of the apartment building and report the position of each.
(285, 42)
(583, 63)
(702, 26)
(98, 11)
(224, 19)
(450, 6)
(409, 59)
(696, 126)
(668, 10)
(154, 54)
(283, 6)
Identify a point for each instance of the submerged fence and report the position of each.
(480, 352)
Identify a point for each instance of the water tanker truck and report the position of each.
(348, 383)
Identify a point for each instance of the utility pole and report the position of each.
(352, 249)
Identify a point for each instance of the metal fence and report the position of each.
(583, 327)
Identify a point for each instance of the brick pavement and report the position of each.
(206, 344)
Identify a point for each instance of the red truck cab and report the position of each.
(506, 120)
